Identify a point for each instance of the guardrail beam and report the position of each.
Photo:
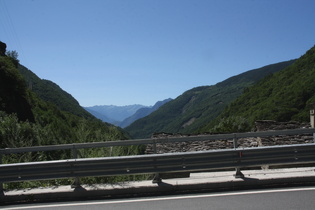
(1, 184)
(157, 163)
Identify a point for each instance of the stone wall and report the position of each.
(262, 125)
(266, 125)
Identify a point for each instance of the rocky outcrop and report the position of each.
(3, 48)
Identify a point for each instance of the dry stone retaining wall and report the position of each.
(262, 125)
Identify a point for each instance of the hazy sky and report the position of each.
(122, 52)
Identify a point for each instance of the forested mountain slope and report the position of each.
(198, 106)
(51, 92)
(28, 120)
(283, 96)
(14, 97)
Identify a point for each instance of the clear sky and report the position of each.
(123, 52)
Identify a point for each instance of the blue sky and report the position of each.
(122, 52)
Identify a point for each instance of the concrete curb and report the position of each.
(197, 182)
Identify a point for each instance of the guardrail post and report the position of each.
(238, 173)
(76, 182)
(157, 177)
(235, 141)
(1, 184)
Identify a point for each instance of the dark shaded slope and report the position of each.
(51, 92)
(14, 97)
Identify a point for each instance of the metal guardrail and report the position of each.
(156, 141)
(158, 163)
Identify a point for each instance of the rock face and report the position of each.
(3, 48)
(263, 125)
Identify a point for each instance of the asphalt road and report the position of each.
(291, 198)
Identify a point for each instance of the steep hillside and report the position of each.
(196, 107)
(52, 93)
(283, 96)
(28, 120)
(14, 97)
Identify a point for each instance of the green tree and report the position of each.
(13, 55)
(234, 124)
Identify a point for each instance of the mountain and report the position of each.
(284, 96)
(113, 114)
(37, 112)
(52, 93)
(14, 97)
(123, 116)
(198, 106)
(101, 116)
(143, 112)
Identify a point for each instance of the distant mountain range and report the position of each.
(113, 114)
(123, 116)
(143, 112)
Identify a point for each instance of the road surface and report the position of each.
(291, 198)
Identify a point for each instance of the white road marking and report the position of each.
(157, 199)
